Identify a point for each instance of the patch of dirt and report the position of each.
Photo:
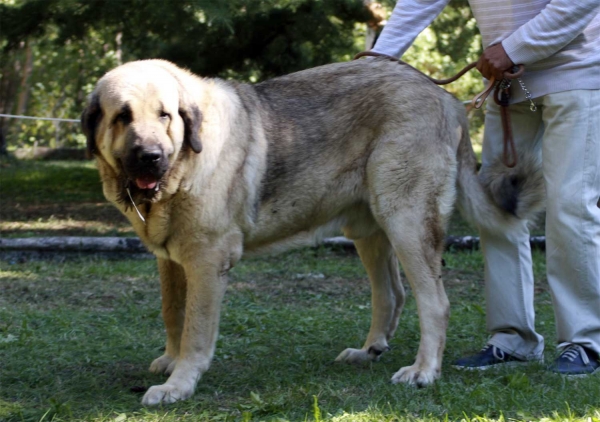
(85, 211)
(288, 289)
(68, 219)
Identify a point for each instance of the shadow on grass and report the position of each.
(50, 182)
(56, 198)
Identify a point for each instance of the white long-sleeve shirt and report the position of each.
(558, 41)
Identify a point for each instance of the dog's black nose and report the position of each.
(149, 155)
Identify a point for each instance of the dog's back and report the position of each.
(328, 127)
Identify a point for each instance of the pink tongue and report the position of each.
(147, 182)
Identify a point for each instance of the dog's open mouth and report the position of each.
(140, 190)
(143, 170)
(140, 185)
(143, 188)
(147, 183)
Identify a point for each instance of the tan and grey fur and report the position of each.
(370, 148)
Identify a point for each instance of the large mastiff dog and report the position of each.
(208, 170)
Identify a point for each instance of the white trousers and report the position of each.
(566, 127)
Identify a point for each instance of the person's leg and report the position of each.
(508, 267)
(571, 160)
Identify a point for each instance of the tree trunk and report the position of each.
(25, 81)
(9, 84)
(3, 150)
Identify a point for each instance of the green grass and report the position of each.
(40, 182)
(77, 337)
(55, 198)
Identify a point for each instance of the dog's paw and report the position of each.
(165, 394)
(414, 375)
(163, 365)
(357, 356)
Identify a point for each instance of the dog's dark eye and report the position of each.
(124, 116)
(164, 115)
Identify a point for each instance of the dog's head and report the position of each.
(140, 120)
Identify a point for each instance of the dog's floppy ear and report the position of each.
(89, 121)
(192, 120)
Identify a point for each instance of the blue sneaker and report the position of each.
(488, 357)
(575, 360)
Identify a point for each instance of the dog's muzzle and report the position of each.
(145, 166)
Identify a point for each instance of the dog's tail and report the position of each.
(499, 196)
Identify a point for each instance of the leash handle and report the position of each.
(480, 98)
(509, 153)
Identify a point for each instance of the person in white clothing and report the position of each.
(558, 41)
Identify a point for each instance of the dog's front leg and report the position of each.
(206, 284)
(173, 291)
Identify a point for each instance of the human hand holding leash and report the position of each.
(494, 62)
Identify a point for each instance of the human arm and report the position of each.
(559, 23)
(408, 19)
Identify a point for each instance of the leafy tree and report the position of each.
(74, 41)
(52, 51)
(53, 82)
(210, 37)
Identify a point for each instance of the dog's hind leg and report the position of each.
(387, 297)
(418, 239)
(173, 290)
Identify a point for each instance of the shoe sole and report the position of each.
(498, 365)
(586, 374)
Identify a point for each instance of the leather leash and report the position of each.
(501, 97)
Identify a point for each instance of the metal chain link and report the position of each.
(505, 84)
(532, 106)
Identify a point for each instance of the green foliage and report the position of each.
(56, 84)
(73, 68)
(210, 37)
(73, 42)
(316, 410)
(458, 36)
